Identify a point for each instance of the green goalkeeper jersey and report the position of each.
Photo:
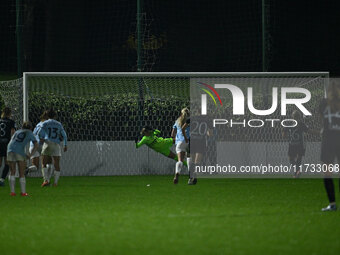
(156, 143)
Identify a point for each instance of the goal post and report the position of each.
(101, 114)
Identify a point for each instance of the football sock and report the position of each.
(329, 185)
(5, 171)
(189, 166)
(12, 183)
(179, 167)
(184, 162)
(56, 176)
(22, 181)
(193, 173)
(45, 173)
(50, 169)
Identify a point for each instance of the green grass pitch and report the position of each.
(123, 215)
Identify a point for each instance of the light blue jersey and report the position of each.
(52, 130)
(19, 141)
(35, 133)
(179, 133)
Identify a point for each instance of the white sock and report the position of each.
(179, 165)
(50, 168)
(44, 171)
(23, 184)
(12, 183)
(32, 168)
(56, 176)
(189, 166)
(194, 173)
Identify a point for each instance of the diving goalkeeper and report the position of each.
(159, 144)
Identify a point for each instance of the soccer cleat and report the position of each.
(45, 184)
(24, 194)
(26, 172)
(329, 208)
(13, 194)
(2, 182)
(192, 181)
(55, 185)
(176, 178)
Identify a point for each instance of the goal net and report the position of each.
(11, 96)
(103, 112)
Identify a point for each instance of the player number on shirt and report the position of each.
(53, 133)
(2, 129)
(199, 128)
(20, 137)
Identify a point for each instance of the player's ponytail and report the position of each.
(43, 116)
(6, 112)
(184, 115)
(27, 125)
(51, 114)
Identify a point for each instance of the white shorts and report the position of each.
(37, 153)
(51, 149)
(181, 147)
(13, 157)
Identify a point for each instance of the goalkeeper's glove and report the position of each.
(136, 139)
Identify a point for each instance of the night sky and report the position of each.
(179, 36)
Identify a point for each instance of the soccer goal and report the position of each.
(103, 112)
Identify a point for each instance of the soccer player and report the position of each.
(200, 130)
(182, 141)
(16, 155)
(297, 148)
(330, 145)
(159, 144)
(186, 133)
(51, 131)
(36, 156)
(7, 129)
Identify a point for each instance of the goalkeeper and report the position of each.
(159, 144)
